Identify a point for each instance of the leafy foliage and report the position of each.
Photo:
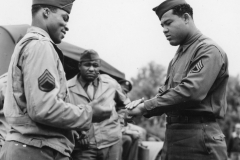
(146, 85)
(147, 81)
(233, 111)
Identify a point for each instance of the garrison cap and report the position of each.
(166, 6)
(89, 55)
(126, 85)
(65, 5)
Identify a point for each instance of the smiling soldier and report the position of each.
(37, 104)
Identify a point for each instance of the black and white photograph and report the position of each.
(119, 80)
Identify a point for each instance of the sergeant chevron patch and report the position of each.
(46, 82)
(198, 67)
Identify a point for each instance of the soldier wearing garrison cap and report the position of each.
(103, 140)
(65, 5)
(126, 85)
(194, 94)
(37, 105)
(89, 55)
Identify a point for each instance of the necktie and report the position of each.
(90, 91)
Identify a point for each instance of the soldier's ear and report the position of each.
(186, 17)
(46, 12)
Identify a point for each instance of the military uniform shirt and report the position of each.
(36, 103)
(196, 80)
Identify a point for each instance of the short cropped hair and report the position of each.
(181, 9)
(37, 7)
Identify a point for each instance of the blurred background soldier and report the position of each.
(194, 94)
(4, 127)
(234, 144)
(103, 140)
(130, 137)
(36, 99)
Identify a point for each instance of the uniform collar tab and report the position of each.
(40, 31)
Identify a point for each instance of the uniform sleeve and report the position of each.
(44, 95)
(195, 86)
(3, 86)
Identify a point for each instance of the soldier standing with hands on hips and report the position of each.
(37, 104)
(194, 93)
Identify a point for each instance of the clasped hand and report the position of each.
(136, 107)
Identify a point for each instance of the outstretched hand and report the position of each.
(134, 104)
(138, 110)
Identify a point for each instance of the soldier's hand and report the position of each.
(123, 113)
(134, 104)
(101, 113)
(83, 140)
(139, 110)
(102, 110)
(135, 135)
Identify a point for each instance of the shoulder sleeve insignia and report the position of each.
(198, 67)
(46, 82)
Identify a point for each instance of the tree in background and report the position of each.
(233, 111)
(148, 80)
(146, 85)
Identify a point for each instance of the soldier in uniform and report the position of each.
(3, 124)
(103, 140)
(36, 102)
(194, 93)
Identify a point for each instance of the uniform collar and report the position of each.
(40, 31)
(189, 42)
(75, 87)
(84, 83)
(44, 34)
(184, 47)
(74, 81)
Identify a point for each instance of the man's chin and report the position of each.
(90, 78)
(57, 41)
(173, 43)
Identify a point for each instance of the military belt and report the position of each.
(190, 119)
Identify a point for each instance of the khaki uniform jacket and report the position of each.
(196, 81)
(36, 97)
(107, 132)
